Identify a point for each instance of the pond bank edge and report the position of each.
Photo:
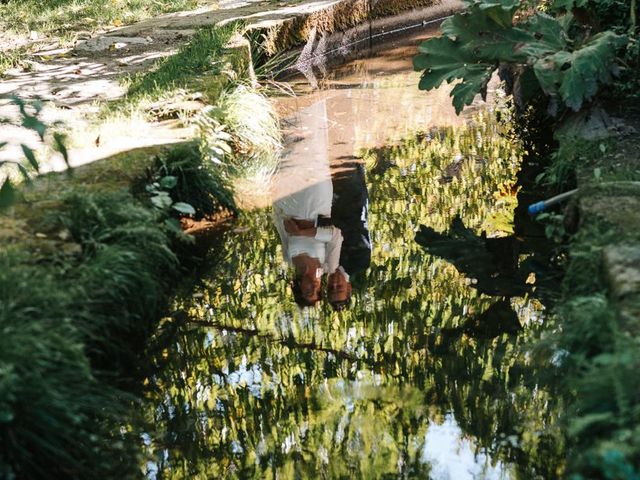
(598, 312)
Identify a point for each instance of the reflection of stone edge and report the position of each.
(347, 21)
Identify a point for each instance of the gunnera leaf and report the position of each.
(443, 60)
(580, 72)
(547, 35)
(488, 33)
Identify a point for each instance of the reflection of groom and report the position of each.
(349, 207)
(349, 210)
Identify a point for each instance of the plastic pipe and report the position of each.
(538, 207)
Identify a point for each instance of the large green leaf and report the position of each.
(464, 92)
(547, 35)
(184, 208)
(7, 194)
(59, 145)
(548, 75)
(476, 41)
(30, 156)
(487, 33)
(443, 60)
(168, 182)
(32, 122)
(576, 75)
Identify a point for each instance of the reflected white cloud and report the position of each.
(452, 456)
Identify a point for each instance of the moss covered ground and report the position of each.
(598, 314)
(89, 259)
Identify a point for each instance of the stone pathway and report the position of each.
(74, 81)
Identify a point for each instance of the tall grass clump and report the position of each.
(197, 67)
(270, 68)
(242, 134)
(73, 324)
(56, 419)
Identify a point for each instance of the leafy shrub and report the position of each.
(242, 134)
(72, 328)
(599, 357)
(127, 267)
(557, 55)
(198, 183)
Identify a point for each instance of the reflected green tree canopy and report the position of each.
(246, 385)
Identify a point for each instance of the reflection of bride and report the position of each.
(303, 195)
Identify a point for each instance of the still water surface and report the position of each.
(426, 374)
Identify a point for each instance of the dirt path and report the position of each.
(74, 81)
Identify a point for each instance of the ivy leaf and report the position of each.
(184, 208)
(443, 60)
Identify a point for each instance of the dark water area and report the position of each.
(427, 373)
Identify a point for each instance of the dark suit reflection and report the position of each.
(349, 211)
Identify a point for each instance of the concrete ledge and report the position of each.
(345, 22)
(622, 266)
(621, 211)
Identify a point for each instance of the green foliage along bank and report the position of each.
(554, 50)
(90, 257)
(84, 275)
(595, 337)
(562, 60)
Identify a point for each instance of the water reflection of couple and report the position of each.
(313, 251)
(311, 243)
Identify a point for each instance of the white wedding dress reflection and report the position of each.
(303, 189)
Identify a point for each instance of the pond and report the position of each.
(427, 372)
